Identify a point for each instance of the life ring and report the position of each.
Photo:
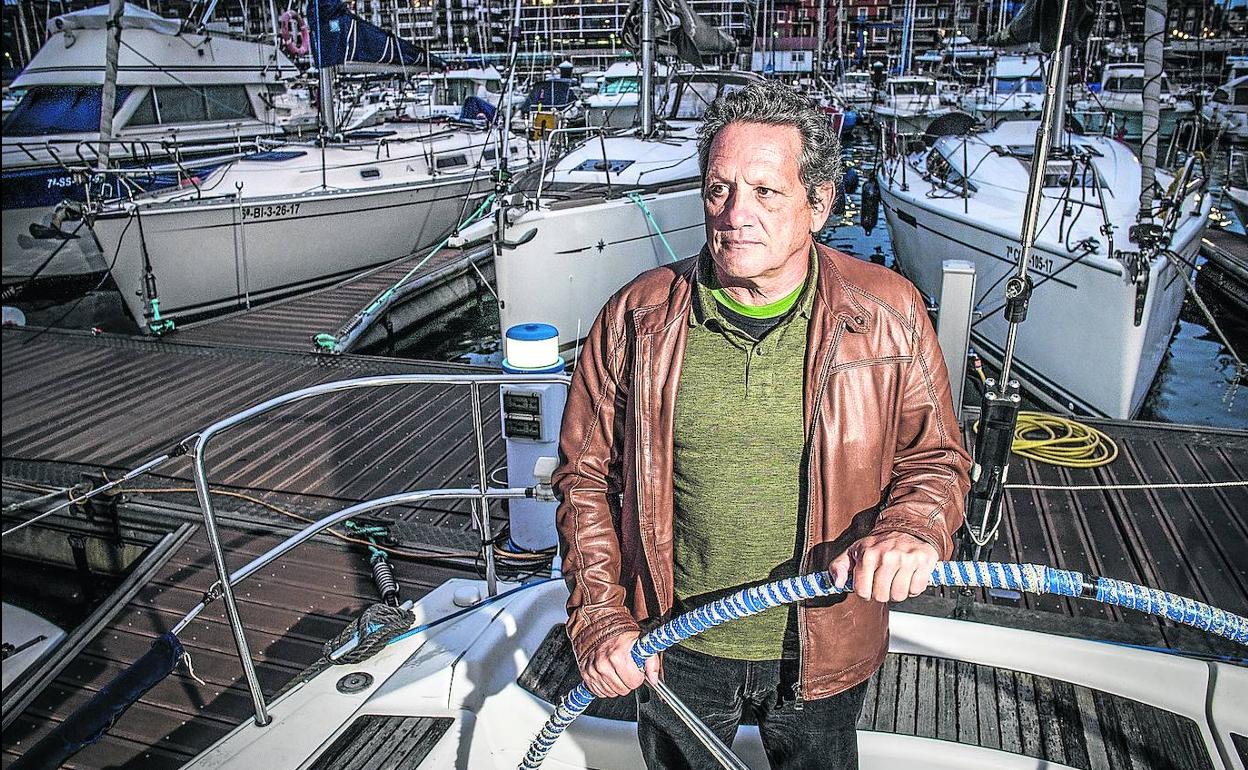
(294, 32)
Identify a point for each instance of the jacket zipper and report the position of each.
(803, 565)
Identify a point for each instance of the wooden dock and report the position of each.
(75, 403)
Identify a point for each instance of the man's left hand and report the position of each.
(890, 565)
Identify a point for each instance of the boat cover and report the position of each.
(340, 37)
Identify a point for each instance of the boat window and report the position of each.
(617, 86)
(456, 90)
(145, 115)
(370, 173)
(1124, 84)
(58, 110)
(451, 161)
(488, 153)
(1019, 86)
(192, 104)
(913, 88)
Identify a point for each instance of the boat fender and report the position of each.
(849, 181)
(294, 31)
(870, 215)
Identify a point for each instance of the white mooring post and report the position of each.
(532, 416)
(953, 322)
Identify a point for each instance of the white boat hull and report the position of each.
(208, 259)
(1079, 348)
(582, 255)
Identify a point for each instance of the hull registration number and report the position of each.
(270, 211)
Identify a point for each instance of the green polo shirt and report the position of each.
(737, 455)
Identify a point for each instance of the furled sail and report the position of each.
(1037, 21)
(339, 37)
(678, 31)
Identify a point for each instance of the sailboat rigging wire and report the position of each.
(1032, 578)
(1241, 369)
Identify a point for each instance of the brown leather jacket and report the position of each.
(883, 454)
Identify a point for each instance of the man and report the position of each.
(766, 409)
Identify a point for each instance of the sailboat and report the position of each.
(582, 226)
(293, 217)
(1108, 290)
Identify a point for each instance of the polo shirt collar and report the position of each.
(705, 308)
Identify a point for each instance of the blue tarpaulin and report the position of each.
(339, 37)
(51, 110)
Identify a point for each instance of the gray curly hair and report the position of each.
(775, 104)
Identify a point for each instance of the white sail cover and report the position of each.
(133, 17)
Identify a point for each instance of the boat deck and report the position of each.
(931, 697)
(73, 403)
(293, 323)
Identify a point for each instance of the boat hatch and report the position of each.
(374, 740)
(613, 165)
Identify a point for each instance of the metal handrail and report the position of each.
(482, 492)
(550, 140)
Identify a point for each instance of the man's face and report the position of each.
(758, 218)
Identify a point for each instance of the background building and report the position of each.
(779, 35)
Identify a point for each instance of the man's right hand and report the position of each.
(610, 671)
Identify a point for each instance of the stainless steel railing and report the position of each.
(481, 494)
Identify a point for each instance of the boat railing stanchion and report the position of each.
(606, 164)
(262, 717)
(966, 173)
(487, 537)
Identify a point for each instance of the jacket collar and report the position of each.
(834, 298)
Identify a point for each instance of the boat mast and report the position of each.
(1002, 398)
(647, 67)
(822, 37)
(1154, 40)
(108, 95)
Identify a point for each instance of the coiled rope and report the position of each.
(1033, 578)
(1053, 440)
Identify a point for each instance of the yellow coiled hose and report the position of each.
(1048, 438)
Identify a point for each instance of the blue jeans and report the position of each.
(821, 734)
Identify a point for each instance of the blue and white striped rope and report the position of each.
(1032, 578)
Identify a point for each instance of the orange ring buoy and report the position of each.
(294, 32)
